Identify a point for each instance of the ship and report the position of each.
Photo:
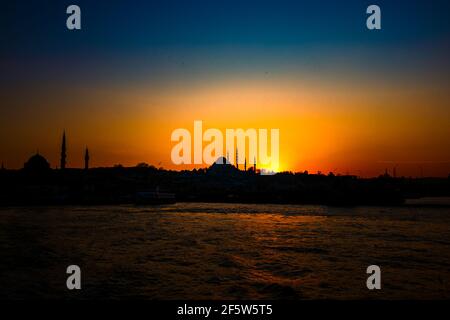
(154, 197)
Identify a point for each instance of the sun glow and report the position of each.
(322, 127)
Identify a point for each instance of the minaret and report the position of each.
(237, 159)
(86, 159)
(245, 164)
(254, 165)
(63, 151)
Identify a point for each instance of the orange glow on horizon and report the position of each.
(344, 128)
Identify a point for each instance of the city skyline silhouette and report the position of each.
(345, 98)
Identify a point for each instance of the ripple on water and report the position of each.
(226, 251)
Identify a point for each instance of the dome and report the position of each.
(222, 160)
(37, 163)
(222, 166)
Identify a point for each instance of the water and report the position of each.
(225, 251)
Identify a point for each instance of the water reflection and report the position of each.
(225, 251)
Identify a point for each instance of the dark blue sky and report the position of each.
(126, 39)
(38, 27)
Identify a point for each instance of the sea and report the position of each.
(225, 251)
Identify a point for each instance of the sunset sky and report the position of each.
(345, 99)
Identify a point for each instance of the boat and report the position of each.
(154, 197)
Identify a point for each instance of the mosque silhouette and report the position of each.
(38, 163)
(40, 184)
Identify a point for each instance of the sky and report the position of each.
(345, 99)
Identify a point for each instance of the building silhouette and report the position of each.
(63, 151)
(86, 159)
(36, 163)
